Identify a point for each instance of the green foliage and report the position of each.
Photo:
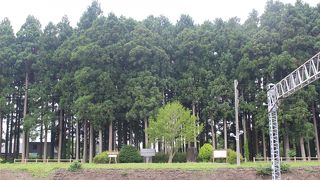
(205, 153)
(101, 158)
(116, 69)
(161, 157)
(179, 157)
(74, 166)
(173, 122)
(264, 171)
(292, 153)
(246, 150)
(267, 170)
(232, 157)
(129, 154)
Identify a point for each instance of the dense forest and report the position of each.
(94, 87)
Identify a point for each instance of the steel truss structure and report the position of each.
(299, 78)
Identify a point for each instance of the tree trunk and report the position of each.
(41, 138)
(194, 113)
(53, 130)
(84, 156)
(18, 134)
(11, 129)
(213, 135)
(145, 133)
(27, 144)
(170, 158)
(0, 132)
(171, 153)
(91, 143)
(100, 140)
(303, 152)
(256, 136)
(309, 151)
(77, 140)
(45, 149)
(6, 146)
(225, 133)
(264, 146)
(245, 139)
(316, 130)
(110, 137)
(24, 115)
(286, 142)
(60, 136)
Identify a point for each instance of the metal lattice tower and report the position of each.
(299, 78)
(273, 131)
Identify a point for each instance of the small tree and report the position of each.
(173, 122)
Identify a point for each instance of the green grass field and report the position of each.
(46, 169)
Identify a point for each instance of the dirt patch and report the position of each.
(228, 174)
(115, 174)
(13, 175)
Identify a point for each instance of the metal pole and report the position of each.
(236, 104)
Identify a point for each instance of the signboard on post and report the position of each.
(147, 154)
(220, 154)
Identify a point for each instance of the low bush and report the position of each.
(101, 158)
(232, 157)
(129, 154)
(267, 171)
(160, 157)
(205, 153)
(292, 153)
(284, 167)
(75, 166)
(264, 171)
(179, 157)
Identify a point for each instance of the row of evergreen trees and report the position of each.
(111, 74)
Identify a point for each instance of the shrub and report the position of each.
(205, 153)
(179, 157)
(101, 158)
(267, 171)
(292, 153)
(284, 168)
(129, 154)
(232, 157)
(264, 171)
(76, 165)
(160, 158)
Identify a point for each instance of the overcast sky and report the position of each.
(199, 10)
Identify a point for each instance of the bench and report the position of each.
(113, 155)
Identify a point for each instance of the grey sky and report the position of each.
(199, 10)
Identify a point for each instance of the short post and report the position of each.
(254, 159)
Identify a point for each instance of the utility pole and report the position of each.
(236, 106)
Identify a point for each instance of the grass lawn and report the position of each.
(46, 169)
